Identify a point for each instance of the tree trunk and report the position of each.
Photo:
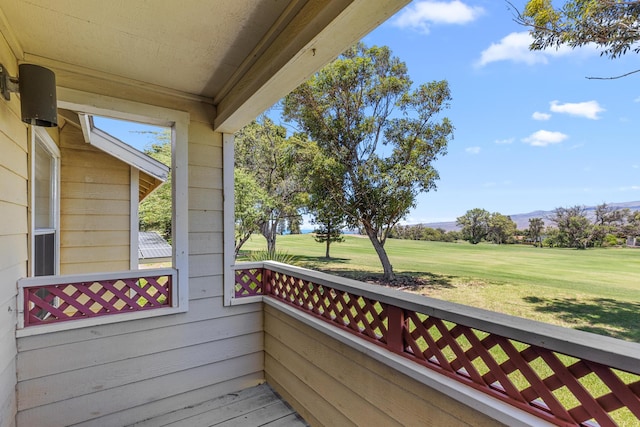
(241, 242)
(269, 229)
(389, 275)
(326, 255)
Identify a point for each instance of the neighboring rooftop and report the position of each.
(151, 245)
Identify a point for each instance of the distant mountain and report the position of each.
(522, 220)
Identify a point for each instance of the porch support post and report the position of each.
(266, 281)
(396, 325)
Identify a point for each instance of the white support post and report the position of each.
(228, 217)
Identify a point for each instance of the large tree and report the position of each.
(536, 228)
(382, 135)
(474, 224)
(500, 228)
(611, 25)
(250, 202)
(575, 230)
(263, 150)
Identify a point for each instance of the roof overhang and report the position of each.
(239, 56)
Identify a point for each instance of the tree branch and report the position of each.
(614, 77)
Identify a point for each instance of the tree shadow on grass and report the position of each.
(313, 261)
(603, 316)
(415, 281)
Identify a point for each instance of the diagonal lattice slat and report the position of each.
(248, 282)
(557, 388)
(56, 303)
(355, 313)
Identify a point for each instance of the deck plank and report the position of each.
(252, 407)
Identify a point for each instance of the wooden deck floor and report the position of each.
(252, 407)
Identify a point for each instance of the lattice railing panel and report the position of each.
(68, 301)
(248, 282)
(358, 314)
(561, 389)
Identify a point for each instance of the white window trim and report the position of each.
(134, 219)
(178, 121)
(50, 146)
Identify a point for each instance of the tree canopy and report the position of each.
(381, 135)
(250, 200)
(474, 224)
(265, 154)
(155, 210)
(611, 25)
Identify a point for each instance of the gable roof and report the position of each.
(152, 172)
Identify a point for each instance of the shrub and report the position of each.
(274, 255)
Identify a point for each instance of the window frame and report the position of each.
(39, 135)
(178, 121)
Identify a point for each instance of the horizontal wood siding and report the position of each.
(329, 383)
(94, 207)
(13, 234)
(122, 373)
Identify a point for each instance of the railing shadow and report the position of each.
(621, 317)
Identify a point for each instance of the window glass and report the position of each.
(43, 179)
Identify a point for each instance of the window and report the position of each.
(45, 172)
(47, 224)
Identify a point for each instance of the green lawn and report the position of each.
(596, 290)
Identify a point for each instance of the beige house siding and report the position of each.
(329, 383)
(125, 372)
(95, 207)
(13, 235)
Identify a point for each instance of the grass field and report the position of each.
(595, 290)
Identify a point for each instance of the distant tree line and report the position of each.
(569, 227)
(420, 232)
(576, 228)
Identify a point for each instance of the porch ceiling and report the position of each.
(221, 52)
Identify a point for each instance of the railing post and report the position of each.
(395, 328)
(266, 281)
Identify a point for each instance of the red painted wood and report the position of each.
(63, 302)
(454, 350)
(396, 327)
(249, 282)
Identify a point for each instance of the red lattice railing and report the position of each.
(248, 282)
(64, 300)
(558, 388)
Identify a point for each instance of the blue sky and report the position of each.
(532, 132)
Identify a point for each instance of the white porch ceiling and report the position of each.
(222, 51)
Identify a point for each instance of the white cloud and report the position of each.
(504, 141)
(637, 99)
(588, 109)
(540, 116)
(630, 188)
(421, 14)
(515, 47)
(472, 150)
(542, 138)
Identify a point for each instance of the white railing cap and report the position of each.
(607, 351)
